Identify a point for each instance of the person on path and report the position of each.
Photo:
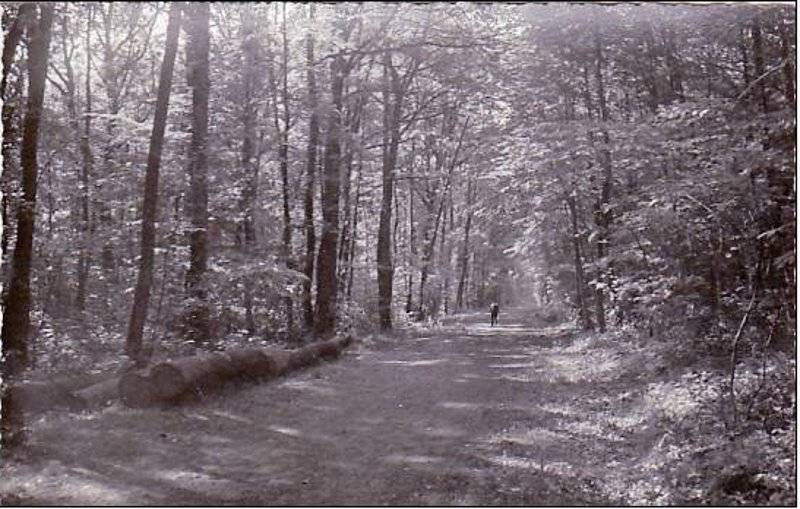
(494, 311)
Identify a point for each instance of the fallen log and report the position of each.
(252, 364)
(99, 394)
(303, 357)
(187, 378)
(278, 362)
(136, 389)
(190, 376)
(332, 348)
(34, 397)
(314, 352)
(53, 393)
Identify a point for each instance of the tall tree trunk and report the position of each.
(313, 141)
(250, 142)
(16, 27)
(587, 94)
(412, 251)
(674, 64)
(788, 69)
(284, 158)
(198, 317)
(584, 317)
(651, 61)
(464, 257)
(345, 244)
(344, 234)
(429, 248)
(84, 258)
(354, 235)
(141, 297)
(326, 299)
(447, 251)
(758, 61)
(745, 60)
(16, 315)
(250, 157)
(602, 211)
(393, 104)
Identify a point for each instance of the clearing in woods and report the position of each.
(463, 414)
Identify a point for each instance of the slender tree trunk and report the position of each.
(345, 244)
(464, 258)
(602, 212)
(313, 141)
(250, 157)
(344, 234)
(396, 227)
(354, 235)
(326, 299)
(197, 76)
(84, 259)
(412, 243)
(284, 158)
(428, 250)
(674, 64)
(141, 297)
(584, 317)
(758, 61)
(16, 28)
(745, 60)
(446, 253)
(587, 94)
(16, 315)
(788, 69)
(393, 99)
(250, 149)
(651, 60)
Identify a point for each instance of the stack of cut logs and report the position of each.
(179, 380)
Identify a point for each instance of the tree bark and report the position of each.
(144, 282)
(788, 69)
(602, 212)
(584, 317)
(198, 311)
(412, 250)
(429, 248)
(16, 315)
(345, 245)
(326, 298)
(650, 68)
(393, 104)
(674, 64)
(758, 62)
(250, 142)
(250, 156)
(464, 257)
(84, 259)
(313, 141)
(10, 129)
(354, 235)
(284, 158)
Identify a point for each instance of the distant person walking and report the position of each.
(494, 310)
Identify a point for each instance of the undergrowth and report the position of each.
(704, 448)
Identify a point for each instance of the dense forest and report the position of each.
(191, 176)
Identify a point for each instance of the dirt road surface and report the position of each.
(465, 414)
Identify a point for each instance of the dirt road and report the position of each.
(465, 415)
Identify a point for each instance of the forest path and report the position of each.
(465, 414)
